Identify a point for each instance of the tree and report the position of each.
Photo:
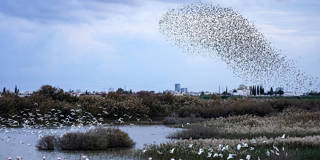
(271, 91)
(120, 90)
(261, 90)
(280, 92)
(254, 91)
(16, 90)
(4, 90)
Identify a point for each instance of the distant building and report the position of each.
(242, 87)
(24, 93)
(184, 90)
(177, 87)
(194, 93)
(243, 90)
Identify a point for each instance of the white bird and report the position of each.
(251, 148)
(283, 136)
(272, 151)
(238, 147)
(244, 144)
(200, 151)
(172, 150)
(225, 148)
(220, 147)
(268, 153)
(248, 157)
(150, 158)
(190, 145)
(230, 156)
(209, 154)
(215, 155)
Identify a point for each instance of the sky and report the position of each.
(102, 44)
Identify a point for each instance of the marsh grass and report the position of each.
(183, 150)
(95, 139)
(174, 119)
(293, 122)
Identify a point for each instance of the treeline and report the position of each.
(51, 105)
(259, 90)
(109, 106)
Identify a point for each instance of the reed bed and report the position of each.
(291, 122)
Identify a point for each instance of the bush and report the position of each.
(96, 139)
(47, 143)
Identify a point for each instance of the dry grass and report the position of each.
(292, 122)
(291, 142)
(260, 148)
(294, 132)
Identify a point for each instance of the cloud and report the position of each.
(274, 30)
(44, 36)
(79, 27)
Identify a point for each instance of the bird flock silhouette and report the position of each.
(223, 33)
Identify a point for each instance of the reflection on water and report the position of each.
(22, 141)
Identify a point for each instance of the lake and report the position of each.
(22, 142)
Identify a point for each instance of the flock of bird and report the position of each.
(53, 122)
(221, 150)
(223, 33)
(82, 157)
(55, 118)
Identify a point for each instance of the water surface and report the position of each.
(22, 142)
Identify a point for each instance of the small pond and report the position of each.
(22, 142)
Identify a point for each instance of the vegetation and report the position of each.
(53, 106)
(225, 149)
(96, 139)
(291, 122)
(293, 133)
